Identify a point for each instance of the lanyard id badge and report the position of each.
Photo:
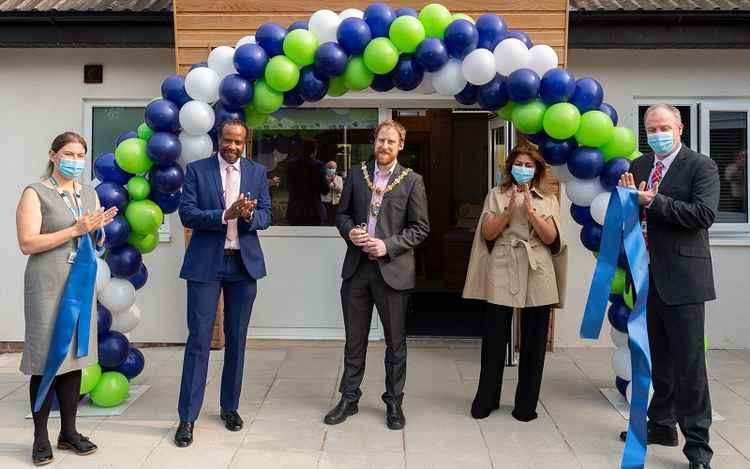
(77, 214)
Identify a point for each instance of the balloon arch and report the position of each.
(432, 51)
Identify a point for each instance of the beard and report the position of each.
(385, 158)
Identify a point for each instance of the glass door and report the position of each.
(499, 134)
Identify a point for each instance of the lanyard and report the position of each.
(64, 195)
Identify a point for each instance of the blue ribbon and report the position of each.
(622, 225)
(73, 316)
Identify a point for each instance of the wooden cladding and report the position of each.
(201, 25)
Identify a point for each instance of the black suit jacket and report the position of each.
(402, 223)
(678, 222)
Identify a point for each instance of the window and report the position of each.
(107, 122)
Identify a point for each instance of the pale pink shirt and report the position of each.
(381, 181)
(223, 165)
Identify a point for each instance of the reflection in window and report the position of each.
(107, 123)
(728, 148)
(308, 153)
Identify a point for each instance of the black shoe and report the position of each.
(342, 410)
(232, 420)
(183, 437)
(41, 453)
(78, 444)
(699, 465)
(525, 417)
(666, 437)
(394, 416)
(478, 411)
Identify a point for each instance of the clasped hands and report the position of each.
(242, 207)
(373, 246)
(92, 221)
(527, 205)
(645, 197)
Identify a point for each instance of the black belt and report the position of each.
(231, 252)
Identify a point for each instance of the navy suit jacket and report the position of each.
(202, 208)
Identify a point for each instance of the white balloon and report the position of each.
(118, 295)
(449, 80)
(426, 86)
(221, 60)
(351, 13)
(197, 117)
(126, 321)
(195, 147)
(599, 207)
(621, 363)
(561, 173)
(583, 191)
(102, 274)
(542, 58)
(479, 67)
(510, 55)
(629, 392)
(324, 23)
(245, 40)
(620, 339)
(202, 84)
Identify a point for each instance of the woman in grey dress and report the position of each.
(51, 216)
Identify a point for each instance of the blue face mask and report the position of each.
(330, 171)
(661, 142)
(522, 174)
(71, 168)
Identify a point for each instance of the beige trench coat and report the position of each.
(518, 271)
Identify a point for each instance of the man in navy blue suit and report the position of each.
(225, 202)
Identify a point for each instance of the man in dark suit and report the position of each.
(225, 202)
(306, 182)
(383, 217)
(679, 195)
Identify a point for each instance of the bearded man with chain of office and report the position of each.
(382, 217)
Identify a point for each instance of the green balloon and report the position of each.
(528, 117)
(634, 155)
(357, 76)
(627, 297)
(131, 156)
(381, 56)
(281, 73)
(300, 46)
(144, 243)
(561, 121)
(595, 130)
(253, 118)
(266, 99)
(506, 112)
(435, 18)
(138, 187)
(145, 132)
(111, 390)
(337, 86)
(463, 16)
(406, 33)
(618, 283)
(622, 143)
(90, 377)
(143, 216)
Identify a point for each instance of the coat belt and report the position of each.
(528, 246)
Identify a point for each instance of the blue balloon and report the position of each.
(407, 12)
(293, 98)
(311, 86)
(297, 25)
(585, 162)
(124, 261)
(203, 64)
(167, 202)
(379, 17)
(270, 37)
(103, 319)
(493, 95)
(113, 349)
(588, 95)
(173, 89)
(432, 54)
(581, 215)
(557, 86)
(610, 111)
(250, 61)
(112, 195)
(557, 152)
(164, 148)
(408, 73)
(591, 236)
(214, 134)
(538, 138)
(469, 95)
(522, 36)
(162, 115)
(621, 385)
(353, 35)
(124, 136)
(618, 315)
(382, 83)
(167, 179)
(116, 233)
(330, 60)
(461, 37)
(523, 85)
(222, 114)
(235, 91)
(106, 169)
(612, 171)
(133, 364)
(139, 278)
(491, 29)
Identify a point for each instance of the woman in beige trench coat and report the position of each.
(511, 267)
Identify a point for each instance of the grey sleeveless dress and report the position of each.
(44, 281)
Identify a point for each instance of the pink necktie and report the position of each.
(231, 193)
(655, 179)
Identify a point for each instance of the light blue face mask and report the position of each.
(71, 168)
(330, 171)
(522, 174)
(661, 142)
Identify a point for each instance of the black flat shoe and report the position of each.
(183, 437)
(79, 444)
(478, 411)
(524, 417)
(41, 453)
(340, 413)
(232, 420)
(699, 465)
(394, 417)
(658, 437)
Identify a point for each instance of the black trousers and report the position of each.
(497, 330)
(678, 361)
(67, 387)
(358, 295)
